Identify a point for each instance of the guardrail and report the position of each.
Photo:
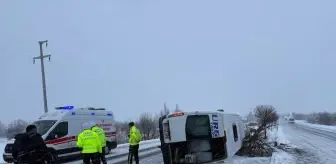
(142, 148)
(141, 142)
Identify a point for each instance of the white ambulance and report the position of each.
(60, 128)
(198, 137)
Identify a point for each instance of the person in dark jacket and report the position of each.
(29, 147)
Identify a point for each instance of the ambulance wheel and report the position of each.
(107, 148)
(54, 159)
(53, 156)
(113, 145)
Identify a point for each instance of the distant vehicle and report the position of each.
(291, 120)
(60, 128)
(197, 137)
(252, 126)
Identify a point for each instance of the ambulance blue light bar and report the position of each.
(65, 108)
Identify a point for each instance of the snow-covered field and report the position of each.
(2, 147)
(316, 126)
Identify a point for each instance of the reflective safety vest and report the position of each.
(134, 136)
(101, 135)
(89, 142)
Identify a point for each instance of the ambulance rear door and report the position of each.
(108, 125)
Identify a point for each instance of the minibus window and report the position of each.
(198, 126)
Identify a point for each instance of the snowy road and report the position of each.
(318, 147)
(314, 147)
(157, 159)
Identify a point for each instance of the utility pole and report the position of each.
(44, 88)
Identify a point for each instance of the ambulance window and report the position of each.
(235, 132)
(60, 130)
(43, 126)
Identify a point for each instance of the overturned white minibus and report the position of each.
(200, 137)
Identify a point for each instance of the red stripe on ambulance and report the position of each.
(110, 134)
(61, 140)
(73, 138)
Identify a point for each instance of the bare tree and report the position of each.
(15, 127)
(177, 109)
(2, 130)
(122, 132)
(266, 117)
(324, 118)
(312, 118)
(165, 110)
(147, 125)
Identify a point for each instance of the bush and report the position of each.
(255, 144)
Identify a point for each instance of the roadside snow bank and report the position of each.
(246, 160)
(281, 137)
(251, 160)
(282, 158)
(272, 134)
(276, 134)
(316, 126)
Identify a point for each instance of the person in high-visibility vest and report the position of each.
(134, 137)
(101, 134)
(90, 144)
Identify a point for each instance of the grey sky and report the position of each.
(132, 56)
